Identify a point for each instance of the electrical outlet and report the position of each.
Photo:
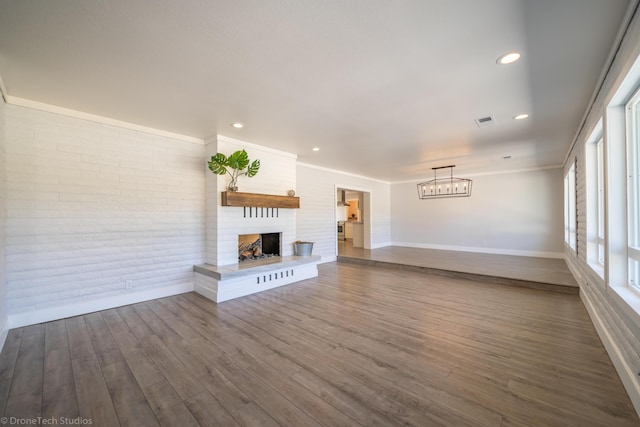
(128, 284)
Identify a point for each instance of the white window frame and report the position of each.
(601, 201)
(632, 125)
(570, 232)
(594, 149)
(625, 296)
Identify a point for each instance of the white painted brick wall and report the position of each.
(316, 221)
(3, 195)
(92, 208)
(618, 320)
(212, 203)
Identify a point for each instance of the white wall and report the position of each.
(96, 215)
(277, 175)
(516, 213)
(4, 327)
(316, 220)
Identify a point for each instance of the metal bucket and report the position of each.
(302, 248)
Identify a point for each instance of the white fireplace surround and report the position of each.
(277, 175)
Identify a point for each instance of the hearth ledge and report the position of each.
(250, 268)
(227, 282)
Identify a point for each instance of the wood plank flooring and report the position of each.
(534, 272)
(355, 346)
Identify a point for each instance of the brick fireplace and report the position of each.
(224, 276)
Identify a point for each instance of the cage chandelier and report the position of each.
(444, 187)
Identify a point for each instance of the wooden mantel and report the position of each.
(235, 198)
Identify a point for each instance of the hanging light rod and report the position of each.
(450, 186)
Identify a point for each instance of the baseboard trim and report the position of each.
(495, 251)
(76, 309)
(625, 372)
(327, 259)
(380, 245)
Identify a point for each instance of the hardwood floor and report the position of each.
(534, 272)
(355, 346)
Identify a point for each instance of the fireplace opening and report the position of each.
(258, 246)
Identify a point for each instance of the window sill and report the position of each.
(598, 269)
(629, 301)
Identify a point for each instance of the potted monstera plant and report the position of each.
(236, 165)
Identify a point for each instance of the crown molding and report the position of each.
(28, 103)
(342, 172)
(251, 145)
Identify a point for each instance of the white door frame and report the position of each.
(367, 212)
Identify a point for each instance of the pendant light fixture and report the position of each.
(444, 187)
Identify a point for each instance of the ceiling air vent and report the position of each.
(484, 121)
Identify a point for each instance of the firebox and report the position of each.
(258, 246)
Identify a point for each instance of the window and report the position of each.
(570, 207)
(633, 189)
(600, 199)
(595, 200)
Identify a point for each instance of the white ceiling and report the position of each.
(385, 89)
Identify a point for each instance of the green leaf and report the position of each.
(238, 160)
(234, 165)
(218, 164)
(252, 170)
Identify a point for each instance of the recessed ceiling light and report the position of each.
(508, 58)
(237, 125)
(521, 116)
(316, 149)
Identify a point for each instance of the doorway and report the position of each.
(353, 219)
